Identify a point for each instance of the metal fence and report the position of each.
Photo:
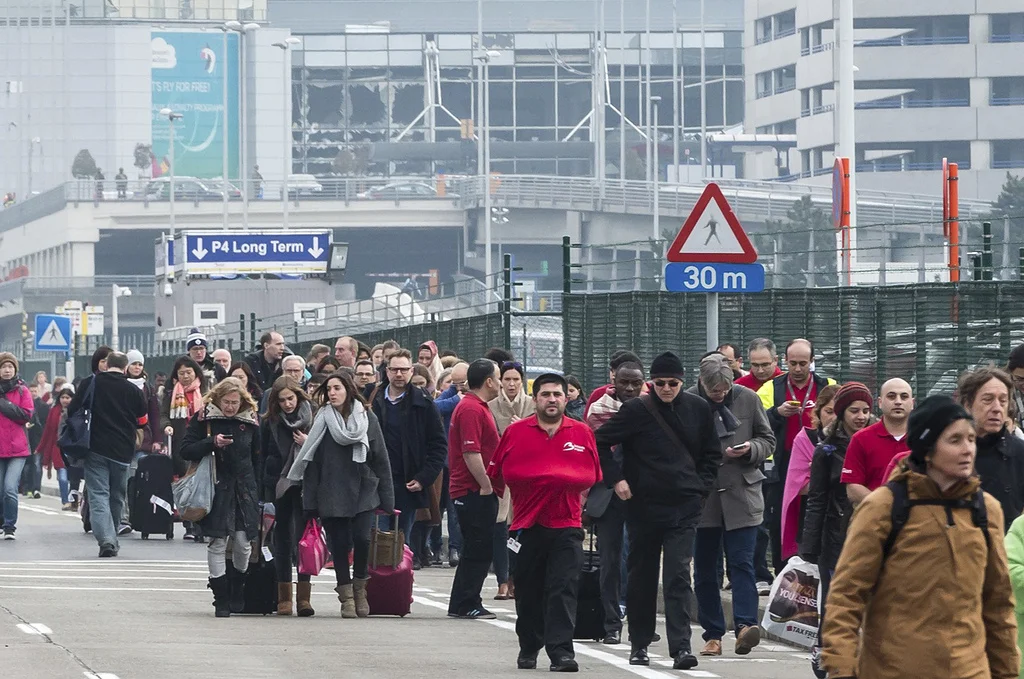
(926, 334)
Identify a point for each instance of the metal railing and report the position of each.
(1006, 101)
(1008, 164)
(816, 49)
(902, 103)
(1007, 37)
(913, 41)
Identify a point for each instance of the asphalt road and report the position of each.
(65, 614)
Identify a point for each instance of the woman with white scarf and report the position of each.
(341, 466)
(283, 431)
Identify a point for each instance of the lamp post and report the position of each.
(286, 100)
(485, 132)
(655, 102)
(243, 30)
(225, 182)
(171, 117)
(116, 292)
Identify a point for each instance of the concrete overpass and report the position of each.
(53, 233)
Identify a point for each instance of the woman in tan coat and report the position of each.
(940, 606)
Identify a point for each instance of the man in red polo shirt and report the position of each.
(472, 439)
(547, 460)
(874, 447)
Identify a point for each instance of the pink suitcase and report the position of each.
(389, 591)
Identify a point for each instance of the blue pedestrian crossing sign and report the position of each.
(53, 333)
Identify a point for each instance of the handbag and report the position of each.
(74, 437)
(193, 492)
(312, 549)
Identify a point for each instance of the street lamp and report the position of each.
(485, 132)
(286, 101)
(224, 122)
(655, 101)
(243, 30)
(171, 117)
(117, 291)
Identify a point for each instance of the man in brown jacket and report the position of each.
(940, 604)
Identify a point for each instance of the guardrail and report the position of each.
(913, 41)
(816, 49)
(903, 103)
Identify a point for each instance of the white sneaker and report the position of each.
(9, 534)
(764, 588)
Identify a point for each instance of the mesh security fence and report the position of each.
(926, 334)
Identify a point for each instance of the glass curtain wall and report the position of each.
(352, 91)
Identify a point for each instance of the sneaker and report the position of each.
(36, 494)
(436, 560)
(478, 614)
(9, 533)
(67, 507)
(764, 588)
(107, 551)
(188, 536)
(816, 667)
(453, 558)
(124, 529)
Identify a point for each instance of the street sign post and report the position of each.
(712, 254)
(219, 252)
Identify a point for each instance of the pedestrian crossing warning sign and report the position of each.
(53, 333)
(712, 233)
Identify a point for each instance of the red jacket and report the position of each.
(48, 444)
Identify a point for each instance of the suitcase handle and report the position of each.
(396, 545)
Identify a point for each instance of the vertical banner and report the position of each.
(189, 71)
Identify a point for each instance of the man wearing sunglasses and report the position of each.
(670, 456)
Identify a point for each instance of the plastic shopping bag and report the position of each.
(312, 549)
(792, 612)
(193, 492)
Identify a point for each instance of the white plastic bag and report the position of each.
(792, 612)
(193, 493)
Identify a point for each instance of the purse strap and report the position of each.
(652, 408)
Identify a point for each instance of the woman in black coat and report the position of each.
(346, 476)
(283, 431)
(227, 428)
(828, 508)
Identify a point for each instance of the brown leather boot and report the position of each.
(284, 598)
(303, 590)
(359, 592)
(347, 599)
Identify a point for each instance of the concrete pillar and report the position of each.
(981, 92)
(981, 154)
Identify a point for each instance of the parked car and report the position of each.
(401, 191)
(185, 188)
(300, 185)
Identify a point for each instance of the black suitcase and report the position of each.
(589, 611)
(150, 501)
(261, 578)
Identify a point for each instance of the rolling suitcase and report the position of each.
(260, 587)
(151, 503)
(589, 611)
(389, 590)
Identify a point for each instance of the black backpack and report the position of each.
(902, 504)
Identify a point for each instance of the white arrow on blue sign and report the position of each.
(713, 277)
(53, 333)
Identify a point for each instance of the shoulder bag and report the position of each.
(74, 437)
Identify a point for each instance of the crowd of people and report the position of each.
(904, 515)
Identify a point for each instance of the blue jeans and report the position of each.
(105, 483)
(62, 483)
(707, 559)
(10, 474)
(406, 503)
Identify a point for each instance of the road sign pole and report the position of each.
(53, 364)
(712, 320)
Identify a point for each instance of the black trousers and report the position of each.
(609, 528)
(547, 576)
(773, 517)
(288, 527)
(651, 531)
(345, 535)
(477, 514)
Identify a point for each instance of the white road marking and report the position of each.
(99, 675)
(35, 628)
(106, 589)
(14, 576)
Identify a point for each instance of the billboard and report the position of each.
(189, 71)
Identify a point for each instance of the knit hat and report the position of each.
(7, 357)
(928, 420)
(667, 365)
(195, 339)
(135, 356)
(847, 394)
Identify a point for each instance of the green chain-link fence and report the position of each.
(926, 334)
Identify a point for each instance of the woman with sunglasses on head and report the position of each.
(511, 405)
(345, 472)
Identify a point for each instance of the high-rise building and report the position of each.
(933, 80)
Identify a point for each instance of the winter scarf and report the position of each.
(435, 368)
(725, 422)
(186, 401)
(139, 382)
(7, 386)
(350, 432)
(299, 420)
(504, 410)
(602, 410)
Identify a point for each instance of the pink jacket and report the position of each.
(798, 476)
(13, 437)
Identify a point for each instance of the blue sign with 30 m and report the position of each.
(713, 277)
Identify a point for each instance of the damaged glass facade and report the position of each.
(354, 91)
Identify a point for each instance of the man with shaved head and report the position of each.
(873, 448)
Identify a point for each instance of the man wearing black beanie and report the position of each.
(670, 456)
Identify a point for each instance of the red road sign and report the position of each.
(704, 236)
